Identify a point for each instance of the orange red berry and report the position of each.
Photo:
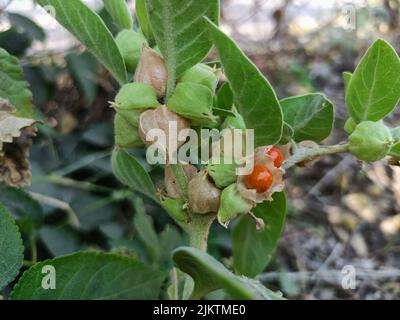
(276, 156)
(260, 179)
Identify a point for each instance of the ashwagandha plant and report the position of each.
(163, 77)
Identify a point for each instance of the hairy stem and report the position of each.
(304, 154)
(179, 174)
(198, 230)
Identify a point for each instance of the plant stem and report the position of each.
(304, 154)
(27, 263)
(198, 230)
(179, 174)
(70, 183)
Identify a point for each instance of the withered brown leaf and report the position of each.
(15, 140)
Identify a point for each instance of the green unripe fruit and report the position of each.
(175, 208)
(222, 174)
(130, 43)
(126, 134)
(232, 205)
(370, 141)
(234, 122)
(134, 98)
(350, 126)
(201, 74)
(193, 101)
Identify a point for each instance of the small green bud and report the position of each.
(222, 174)
(171, 184)
(370, 141)
(193, 101)
(175, 208)
(126, 134)
(130, 43)
(232, 205)
(350, 126)
(234, 122)
(201, 74)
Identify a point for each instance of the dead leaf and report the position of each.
(15, 140)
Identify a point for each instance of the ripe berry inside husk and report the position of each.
(260, 179)
(276, 156)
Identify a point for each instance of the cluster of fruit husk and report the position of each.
(141, 106)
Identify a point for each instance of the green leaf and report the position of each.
(131, 173)
(287, 134)
(91, 276)
(145, 228)
(210, 275)
(60, 240)
(26, 210)
(143, 19)
(181, 33)
(254, 97)
(27, 25)
(119, 11)
(11, 248)
(374, 88)
(311, 116)
(252, 249)
(90, 29)
(224, 97)
(346, 79)
(13, 87)
(92, 210)
(85, 71)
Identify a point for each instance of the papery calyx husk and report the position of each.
(161, 118)
(261, 152)
(193, 101)
(370, 141)
(135, 96)
(201, 74)
(204, 196)
(152, 70)
(171, 184)
(126, 132)
(232, 205)
(222, 172)
(260, 157)
(131, 100)
(15, 140)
